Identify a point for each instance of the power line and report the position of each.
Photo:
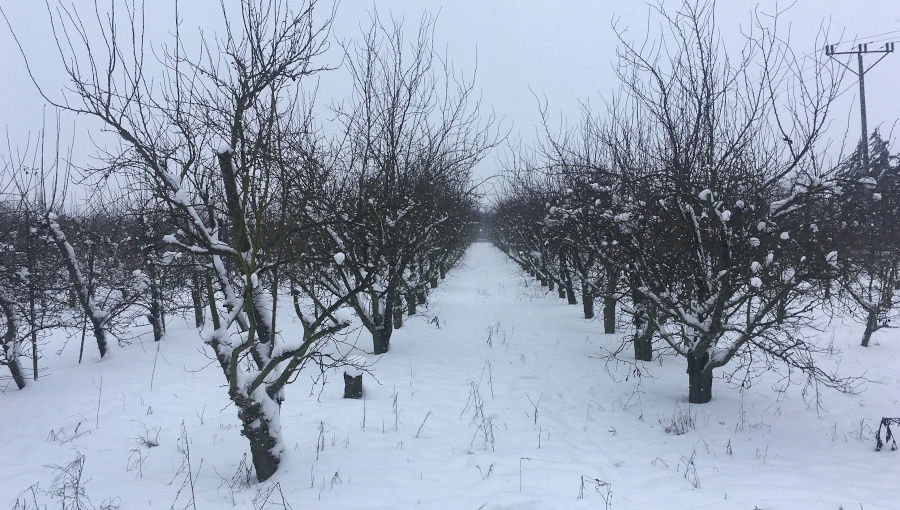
(870, 39)
(862, 49)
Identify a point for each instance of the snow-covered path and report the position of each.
(760, 450)
(492, 398)
(498, 344)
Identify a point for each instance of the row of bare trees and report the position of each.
(87, 271)
(869, 223)
(234, 199)
(702, 205)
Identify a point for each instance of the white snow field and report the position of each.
(494, 398)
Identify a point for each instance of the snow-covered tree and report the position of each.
(721, 173)
(411, 134)
(869, 230)
(517, 216)
(581, 214)
(103, 289)
(31, 273)
(217, 135)
(11, 338)
(701, 201)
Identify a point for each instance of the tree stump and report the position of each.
(352, 386)
(353, 373)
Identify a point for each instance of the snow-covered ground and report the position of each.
(493, 398)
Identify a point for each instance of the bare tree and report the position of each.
(411, 131)
(869, 227)
(12, 339)
(32, 274)
(581, 160)
(721, 165)
(241, 93)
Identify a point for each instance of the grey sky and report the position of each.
(562, 50)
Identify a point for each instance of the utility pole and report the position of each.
(861, 50)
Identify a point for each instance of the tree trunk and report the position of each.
(643, 345)
(211, 299)
(33, 321)
(871, 327)
(276, 284)
(411, 301)
(561, 292)
(398, 317)
(383, 339)
(699, 380)
(197, 299)
(609, 300)
(434, 282)
(570, 293)
(551, 284)
(155, 316)
(263, 327)
(256, 427)
(79, 285)
(99, 334)
(10, 347)
(781, 309)
(33, 324)
(609, 314)
(587, 300)
(643, 332)
(565, 285)
(383, 331)
(16, 373)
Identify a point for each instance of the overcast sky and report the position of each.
(561, 50)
